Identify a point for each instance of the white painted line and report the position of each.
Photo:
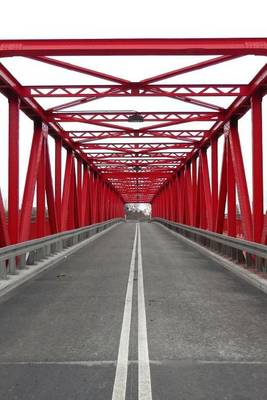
(144, 379)
(119, 388)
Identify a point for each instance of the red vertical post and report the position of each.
(76, 211)
(189, 194)
(194, 187)
(257, 167)
(167, 203)
(200, 213)
(91, 202)
(104, 201)
(79, 190)
(85, 202)
(106, 205)
(50, 195)
(207, 192)
(67, 202)
(58, 177)
(13, 170)
(175, 198)
(214, 179)
(240, 178)
(231, 195)
(181, 195)
(94, 198)
(41, 179)
(32, 172)
(171, 201)
(222, 193)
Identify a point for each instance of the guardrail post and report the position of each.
(12, 268)
(22, 261)
(249, 260)
(31, 258)
(3, 269)
(59, 246)
(47, 251)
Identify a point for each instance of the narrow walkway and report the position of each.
(194, 331)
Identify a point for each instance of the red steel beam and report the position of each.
(257, 167)
(231, 193)
(41, 188)
(50, 195)
(181, 135)
(58, 176)
(240, 177)
(190, 68)
(32, 173)
(76, 68)
(214, 178)
(13, 169)
(122, 116)
(135, 89)
(72, 47)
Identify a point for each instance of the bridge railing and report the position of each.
(17, 256)
(249, 254)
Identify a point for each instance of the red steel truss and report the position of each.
(121, 156)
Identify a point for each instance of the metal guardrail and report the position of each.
(252, 255)
(17, 256)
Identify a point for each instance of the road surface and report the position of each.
(136, 314)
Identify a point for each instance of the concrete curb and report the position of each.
(25, 275)
(242, 273)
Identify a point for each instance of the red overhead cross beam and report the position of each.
(125, 47)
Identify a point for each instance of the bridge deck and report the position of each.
(206, 329)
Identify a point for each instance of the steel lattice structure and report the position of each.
(122, 156)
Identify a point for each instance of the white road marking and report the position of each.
(144, 379)
(119, 388)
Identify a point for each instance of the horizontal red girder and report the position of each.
(64, 47)
(149, 116)
(131, 146)
(181, 135)
(134, 89)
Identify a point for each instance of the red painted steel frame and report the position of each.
(111, 162)
(67, 47)
(13, 169)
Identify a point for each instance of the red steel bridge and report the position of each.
(204, 180)
(139, 156)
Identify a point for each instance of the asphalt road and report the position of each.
(192, 329)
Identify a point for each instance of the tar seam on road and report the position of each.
(144, 379)
(119, 388)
